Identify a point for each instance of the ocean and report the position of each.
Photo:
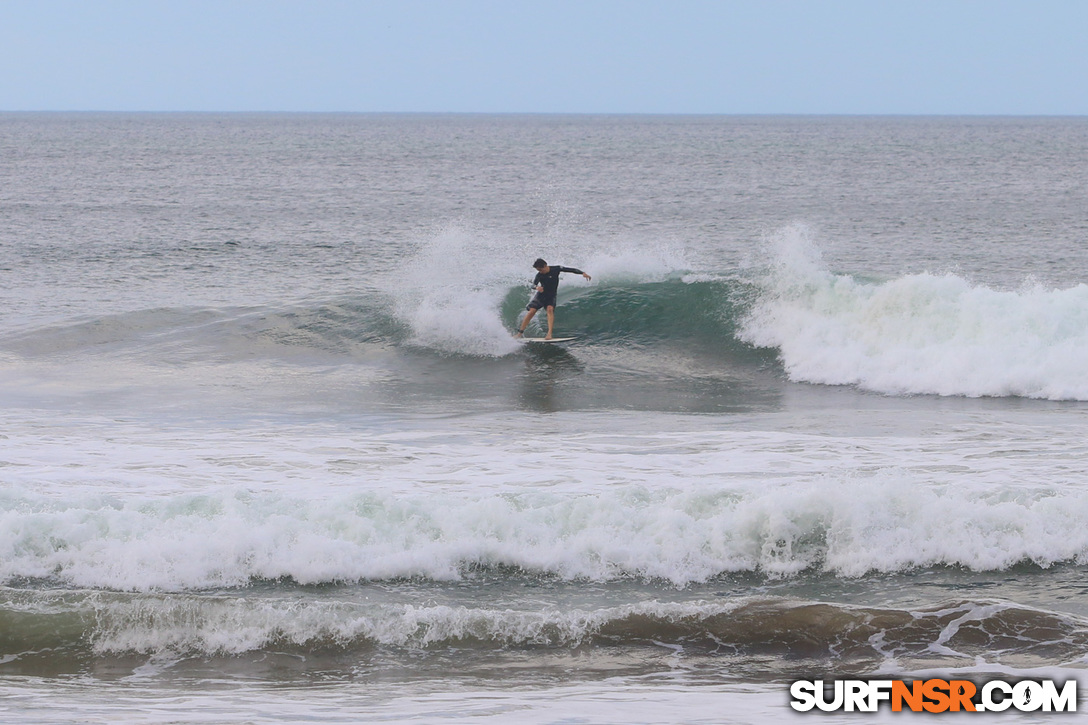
(269, 453)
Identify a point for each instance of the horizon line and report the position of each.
(736, 114)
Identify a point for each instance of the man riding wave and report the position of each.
(546, 284)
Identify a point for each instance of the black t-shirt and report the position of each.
(550, 281)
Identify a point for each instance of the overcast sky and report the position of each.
(579, 56)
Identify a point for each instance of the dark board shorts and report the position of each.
(540, 300)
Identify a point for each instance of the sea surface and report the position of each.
(269, 453)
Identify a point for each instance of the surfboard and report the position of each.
(541, 339)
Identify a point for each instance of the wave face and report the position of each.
(331, 331)
(675, 314)
(919, 333)
(947, 634)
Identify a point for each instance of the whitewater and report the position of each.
(264, 428)
(919, 333)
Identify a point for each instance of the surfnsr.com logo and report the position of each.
(934, 695)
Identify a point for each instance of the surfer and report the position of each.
(546, 284)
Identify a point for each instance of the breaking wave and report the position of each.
(919, 333)
(678, 536)
(953, 632)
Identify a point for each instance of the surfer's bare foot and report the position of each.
(517, 334)
(548, 337)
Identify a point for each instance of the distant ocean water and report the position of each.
(268, 452)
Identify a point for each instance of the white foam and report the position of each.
(920, 333)
(683, 532)
(99, 503)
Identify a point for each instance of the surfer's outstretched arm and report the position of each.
(574, 270)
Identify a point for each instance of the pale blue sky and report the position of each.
(583, 56)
